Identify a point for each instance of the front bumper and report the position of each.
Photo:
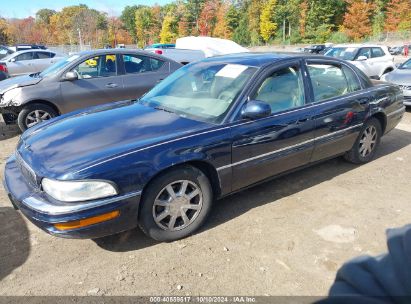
(44, 212)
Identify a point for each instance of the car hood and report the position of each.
(66, 145)
(399, 76)
(17, 82)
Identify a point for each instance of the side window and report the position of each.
(352, 79)
(156, 64)
(364, 52)
(42, 55)
(98, 66)
(328, 81)
(25, 56)
(377, 52)
(282, 90)
(134, 64)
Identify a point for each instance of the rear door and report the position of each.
(283, 141)
(339, 107)
(141, 73)
(41, 60)
(379, 60)
(99, 82)
(21, 64)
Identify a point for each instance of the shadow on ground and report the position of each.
(8, 131)
(269, 192)
(14, 241)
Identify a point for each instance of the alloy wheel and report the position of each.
(368, 141)
(35, 117)
(177, 205)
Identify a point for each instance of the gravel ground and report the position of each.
(284, 237)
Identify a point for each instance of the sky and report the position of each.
(26, 8)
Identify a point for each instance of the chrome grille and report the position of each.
(27, 172)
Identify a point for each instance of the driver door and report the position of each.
(98, 83)
(284, 140)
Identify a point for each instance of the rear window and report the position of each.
(377, 52)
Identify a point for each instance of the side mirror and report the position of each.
(255, 109)
(362, 58)
(13, 60)
(70, 76)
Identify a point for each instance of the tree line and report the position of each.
(248, 22)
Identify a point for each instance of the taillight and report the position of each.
(159, 52)
(3, 68)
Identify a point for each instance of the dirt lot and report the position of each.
(284, 237)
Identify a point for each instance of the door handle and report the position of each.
(111, 85)
(302, 120)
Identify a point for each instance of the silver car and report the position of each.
(82, 80)
(402, 77)
(29, 61)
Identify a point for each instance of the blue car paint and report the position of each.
(129, 144)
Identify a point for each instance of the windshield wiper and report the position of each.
(163, 109)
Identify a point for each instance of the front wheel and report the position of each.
(366, 145)
(33, 114)
(175, 204)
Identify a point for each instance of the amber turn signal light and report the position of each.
(87, 221)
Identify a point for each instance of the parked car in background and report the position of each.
(401, 77)
(374, 60)
(315, 49)
(396, 50)
(73, 83)
(5, 51)
(191, 49)
(22, 47)
(212, 128)
(161, 46)
(28, 62)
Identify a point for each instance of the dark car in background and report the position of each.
(212, 128)
(4, 52)
(315, 49)
(82, 80)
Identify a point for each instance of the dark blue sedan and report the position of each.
(212, 128)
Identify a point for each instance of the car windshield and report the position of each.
(406, 65)
(345, 53)
(203, 91)
(58, 66)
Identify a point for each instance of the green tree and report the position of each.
(43, 15)
(128, 17)
(268, 26)
(254, 12)
(241, 34)
(144, 21)
(168, 29)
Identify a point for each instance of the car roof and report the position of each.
(32, 50)
(357, 45)
(261, 59)
(119, 51)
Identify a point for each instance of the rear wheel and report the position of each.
(34, 114)
(366, 145)
(175, 204)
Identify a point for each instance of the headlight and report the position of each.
(77, 191)
(10, 95)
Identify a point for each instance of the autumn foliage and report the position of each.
(249, 22)
(357, 20)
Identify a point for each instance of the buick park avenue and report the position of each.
(210, 129)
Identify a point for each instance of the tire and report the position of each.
(23, 119)
(158, 202)
(357, 154)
